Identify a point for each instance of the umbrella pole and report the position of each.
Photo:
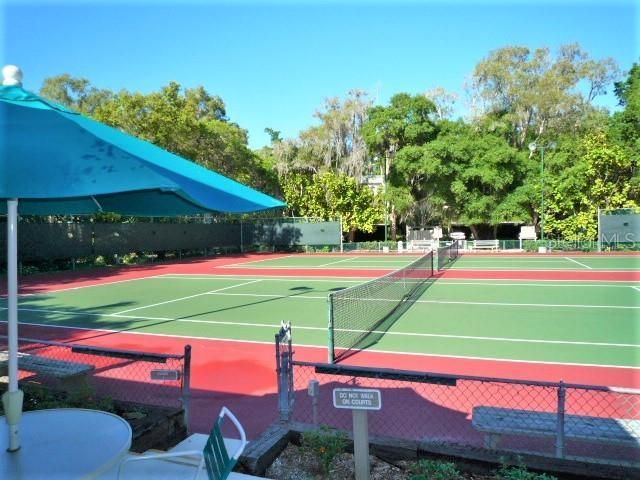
(12, 399)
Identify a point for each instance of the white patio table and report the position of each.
(64, 443)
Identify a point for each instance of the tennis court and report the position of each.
(587, 323)
(467, 262)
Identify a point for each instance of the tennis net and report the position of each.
(359, 316)
(447, 254)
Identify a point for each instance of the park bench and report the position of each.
(67, 373)
(494, 422)
(486, 244)
(421, 245)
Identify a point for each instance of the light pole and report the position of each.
(533, 146)
(386, 201)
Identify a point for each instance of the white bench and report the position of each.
(421, 245)
(494, 422)
(66, 372)
(486, 244)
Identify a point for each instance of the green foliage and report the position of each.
(325, 443)
(75, 93)
(599, 174)
(332, 196)
(392, 134)
(520, 472)
(474, 171)
(625, 125)
(434, 470)
(408, 120)
(38, 397)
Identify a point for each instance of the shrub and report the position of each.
(325, 443)
(520, 472)
(434, 470)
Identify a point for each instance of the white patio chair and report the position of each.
(214, 458)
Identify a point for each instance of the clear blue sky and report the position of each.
(273, 63)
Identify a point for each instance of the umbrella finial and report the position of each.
(12, 75)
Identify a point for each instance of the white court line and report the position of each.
(253, 261)
(374, 350)
(443, 302)
(579, 263)
(440, 281)
(361, 266)
(636, 288)
(568, 269)
(338, 261)
(184, 298)
(457, 267)
(510, 260)
(79, 287)
(323, 329)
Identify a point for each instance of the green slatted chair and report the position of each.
(214, 458)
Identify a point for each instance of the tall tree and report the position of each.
(75, 93)
(537, 92)
(406, 121)
(336, 144)
(473, 172)
(443, 100)
(625, 125)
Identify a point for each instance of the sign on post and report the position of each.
(359, 401)
(166, 375)
(357, 398)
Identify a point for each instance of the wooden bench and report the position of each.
(67, 373)
(486, 244)
(494, 422)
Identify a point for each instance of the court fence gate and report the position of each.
(585, 423)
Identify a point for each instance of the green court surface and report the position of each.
(590, 323)
(466, 262)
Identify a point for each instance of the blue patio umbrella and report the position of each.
(56, 161)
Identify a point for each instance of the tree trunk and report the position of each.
(394, 225)
(352, 235)
(474, 231)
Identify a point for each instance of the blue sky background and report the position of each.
(274, 63)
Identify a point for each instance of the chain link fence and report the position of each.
(154, 379)
(577, 422)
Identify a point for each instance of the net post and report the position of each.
(330, 344)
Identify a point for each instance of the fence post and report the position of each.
(186, 386)
(560, 427)
(284, 372)
(330, 346)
